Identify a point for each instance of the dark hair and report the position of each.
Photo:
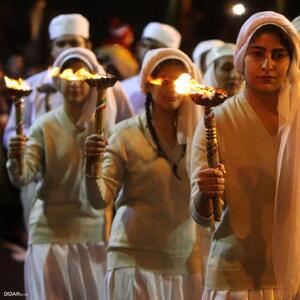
(153, 133)
(280, 33)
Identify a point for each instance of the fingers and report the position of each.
(17, 146)
(95, 146)
(211, 181)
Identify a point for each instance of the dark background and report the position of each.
(196, 19)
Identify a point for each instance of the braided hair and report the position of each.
(154, 136)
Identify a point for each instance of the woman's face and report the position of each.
(266, 63)
(75, 91)
(227, 77)
(164, 96)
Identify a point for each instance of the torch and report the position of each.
(17, 89)
(208, 97)
(101, 83)
(47, 89)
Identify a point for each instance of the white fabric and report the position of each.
(70, 271)
(226, 49)
(69, 24)
(203, 47)
(188, 114)
(286, 232)
(163, 33)
(261, 294)
(139, 284)
(132, 89)
(213, 55)
(296, 23)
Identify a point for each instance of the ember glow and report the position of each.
(16, 84)
(80, 75)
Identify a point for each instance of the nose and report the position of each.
(268, 63)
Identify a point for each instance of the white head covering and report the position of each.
(69, 24)
(286, 226)
(296, 23)
(163, 33)
(214, 54)
(89, 58)
(203, 47)
(189, 113)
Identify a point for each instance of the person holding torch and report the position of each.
(66, 253)
(153, 250)
(255, 246)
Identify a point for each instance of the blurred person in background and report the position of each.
(221, 72)
(200, 52)
(155, 35)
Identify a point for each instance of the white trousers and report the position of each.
(65, 271)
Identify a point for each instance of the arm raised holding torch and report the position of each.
(17, 89)
(207, 97)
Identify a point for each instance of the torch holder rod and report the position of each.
(94, 165)
(212, 155)
(19, 106)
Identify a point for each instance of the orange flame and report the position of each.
(68, 74)
(16, 84)
(184, 84)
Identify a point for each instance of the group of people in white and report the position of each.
(145, 229)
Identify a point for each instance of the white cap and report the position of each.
(203, 47)
(70, 24)
(296, 23)
(163, 33)
(218, 52)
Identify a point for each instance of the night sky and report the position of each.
(205, 19)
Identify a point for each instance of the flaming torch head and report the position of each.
(95, 80)
(200, 94)
(102, 81)
(17, 87)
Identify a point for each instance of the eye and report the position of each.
(277, 55)
(258, 54)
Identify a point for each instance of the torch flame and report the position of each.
(80, 75)
(16, 84)
(184, 84)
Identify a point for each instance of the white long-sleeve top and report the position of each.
(241, 250)
(152, 227)
(61, 212)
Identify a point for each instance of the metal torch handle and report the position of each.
(212, 156)
(19, 105)
(94, 165)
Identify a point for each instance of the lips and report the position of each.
(267, 77)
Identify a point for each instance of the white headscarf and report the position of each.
(189, 114)
(286, 226)
(296, 23)
(202, 48)
(89, 58)
(214, 54)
